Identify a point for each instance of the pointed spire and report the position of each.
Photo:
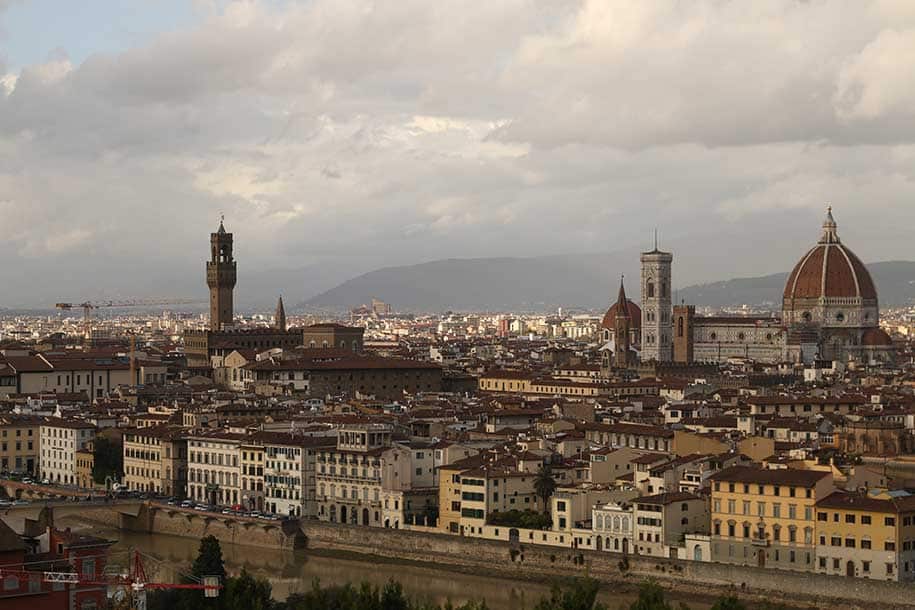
(279, 320)
(622, 303)
(222, 229)
(830, 235)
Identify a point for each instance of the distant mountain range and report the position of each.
(544, 283)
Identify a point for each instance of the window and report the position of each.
(889, 521)
(865, 566)
(849, 518)
(865, 543)
(889, 545)
(865, 519)
(850, 543)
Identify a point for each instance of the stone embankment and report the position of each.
(519, 561)
(526, 561)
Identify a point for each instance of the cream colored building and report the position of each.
(352, 475)
(155, 460)
(59, 440)
(252, 475)
(19, 443)
(214, 468)
(96, 377)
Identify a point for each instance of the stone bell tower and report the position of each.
(221, 277)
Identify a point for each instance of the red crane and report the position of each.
(135, 581)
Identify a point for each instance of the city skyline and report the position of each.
(127, 132)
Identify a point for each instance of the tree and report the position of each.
(651, 597)
(245, 592)
(108, 460)
(545, 485)
(729, 603)
(580, 594)
(209, 559)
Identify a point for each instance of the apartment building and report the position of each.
(663, 520)
(765, 517)
(252, 474)
(97, 377)
(85, 464)
(867, 535)
(155, 460)
(59, 440)
(19, 445)
(624, 434)
(351, 476)
(214, 467)
(290, 472)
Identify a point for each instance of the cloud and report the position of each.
(336, 131)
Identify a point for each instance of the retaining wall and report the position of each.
(530, 561)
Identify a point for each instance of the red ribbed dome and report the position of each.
(830, 270)
(635, 316)
(876, 337)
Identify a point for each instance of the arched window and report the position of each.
(680, 328)
(649, 289)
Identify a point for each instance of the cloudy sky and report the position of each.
(338, 136)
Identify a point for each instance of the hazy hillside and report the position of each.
(486, 283)
(537, 284)
(895, 282)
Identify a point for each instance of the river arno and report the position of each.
(291, 572)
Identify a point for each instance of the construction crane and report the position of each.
(131, 586)
(88, 306)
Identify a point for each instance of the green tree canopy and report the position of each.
(580, 594)
(651, 597)
(729, 603)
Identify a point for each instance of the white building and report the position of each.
(213, 468)
(59, 440)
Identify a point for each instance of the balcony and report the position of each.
(756, 540)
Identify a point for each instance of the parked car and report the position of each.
(187, 504)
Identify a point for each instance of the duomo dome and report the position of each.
(830, 287)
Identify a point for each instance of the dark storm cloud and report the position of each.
(355, 134)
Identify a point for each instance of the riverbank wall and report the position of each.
(521, 561)
(155, 519)
(526, 562)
